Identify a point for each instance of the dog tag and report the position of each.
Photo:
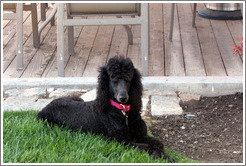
(126, 121)
(126, 117)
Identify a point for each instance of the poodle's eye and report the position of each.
(115, 81)
(127, 80)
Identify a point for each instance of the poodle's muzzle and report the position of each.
(121, 91)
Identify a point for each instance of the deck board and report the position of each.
(6, 22)
(202, 51)
(192, 53)
(9, 39)
(42, 57)
(174, 58)
(224, 40)
(99, 51)
(119, 44)
(236, 30)
(77, 63)
(28, 50)
(211, 55)
(51, 69)
(11, 28)
(134, 51)
(156, 41)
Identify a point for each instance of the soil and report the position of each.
(214, 135)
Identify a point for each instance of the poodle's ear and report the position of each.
(135, 92)
(103, 88)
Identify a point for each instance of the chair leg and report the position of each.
(194, 15)
(171, 23)
(19, 29)
(36, 37)
(42, 8)
(129, 32)
(241, 8)
(70, 33)
(52, 21)
(49, 19)
(60, 40)
(145, 40)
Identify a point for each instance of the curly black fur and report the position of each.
(121, 82)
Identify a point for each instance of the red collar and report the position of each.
(125, 108)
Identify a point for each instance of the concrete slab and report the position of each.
(145, 106)
(165, 105)
(204, 86)
(41, 103)
(60, 92)
(184, 97)
(18, 104)
(31, 92)
(157, 92)
(89, 96)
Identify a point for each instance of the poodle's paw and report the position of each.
(171, 160)
(155, 155)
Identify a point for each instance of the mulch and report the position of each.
(213, 135)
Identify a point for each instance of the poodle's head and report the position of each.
(120, 81)
(120, 72)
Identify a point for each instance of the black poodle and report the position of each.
(115, 113)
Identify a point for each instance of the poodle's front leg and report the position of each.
(154, 147)
(138, 131)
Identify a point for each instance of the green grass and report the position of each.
(27, 140)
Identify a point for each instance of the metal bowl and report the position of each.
(223, 6)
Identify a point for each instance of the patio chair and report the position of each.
(14, 11)
(102, 9)
(17, 15)
(172, 19)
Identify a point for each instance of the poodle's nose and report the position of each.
(123, 98)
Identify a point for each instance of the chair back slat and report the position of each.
(81, 9)
(9, 6)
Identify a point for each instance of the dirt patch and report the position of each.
(214, 135)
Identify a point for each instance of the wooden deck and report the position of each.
(202, 51)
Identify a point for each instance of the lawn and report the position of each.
(27, 140)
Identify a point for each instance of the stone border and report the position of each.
(205, 86)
